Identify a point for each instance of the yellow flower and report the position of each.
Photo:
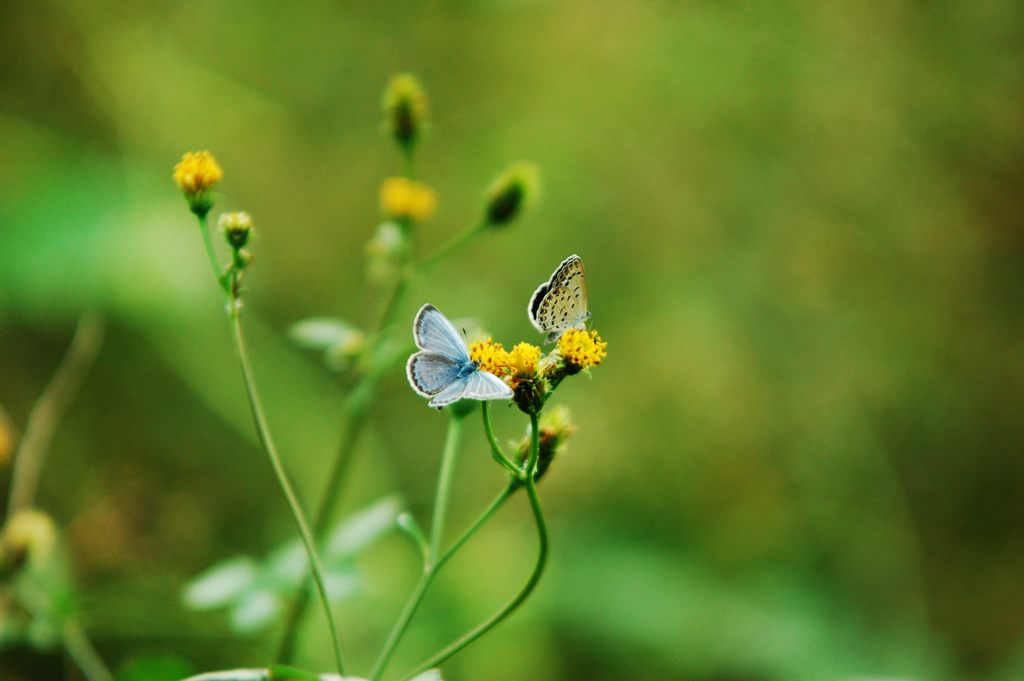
(403, 198)
(405, 107)
(198, 172)
(522, 361)
(581, 349)
(490, 356)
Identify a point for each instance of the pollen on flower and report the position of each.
(582, 349)
(490, 356)
(197, 172)
(522, 360)
(403, 198)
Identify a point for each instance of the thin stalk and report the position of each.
(211, 254)
(496, 452)
(531, 583)
(444, 478)
(80, 649)
(444, 482)
(430, 571)
(48, 409)
(447, 249)
(269, 448)
(356, 407)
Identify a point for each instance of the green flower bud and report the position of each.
(237, 227)
(405, 109)
(511, 193)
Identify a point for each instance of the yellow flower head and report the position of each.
(490, 356)
(522, 361)
(581, 349)
(405, 107)
(197, 172)
(403, 198)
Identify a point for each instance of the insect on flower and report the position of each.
(443, 369)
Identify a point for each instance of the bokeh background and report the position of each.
(802, 228)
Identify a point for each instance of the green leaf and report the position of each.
(359, 531)
(321, 333)
(255, 611)
(221, 584)
(337, 339)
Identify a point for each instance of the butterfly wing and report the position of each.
(483, 385)
(434, 333)
(429, 373)
(561, 302)
(453, 393)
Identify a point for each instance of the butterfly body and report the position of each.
(560, 303)
(443, 370)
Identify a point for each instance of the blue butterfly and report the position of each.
(443, 370)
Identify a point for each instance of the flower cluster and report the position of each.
(532, 375)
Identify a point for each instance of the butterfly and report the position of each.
(443, 370)
(560, 303)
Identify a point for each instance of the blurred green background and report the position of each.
(802, 228)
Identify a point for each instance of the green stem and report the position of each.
(430, 571)
(218, 274)
(85, 656)
(47, 411)
(444, 481)
(275, 461)
(356, 406)
(444, 478)
(447, 249)
(531, 583)
(496, 452)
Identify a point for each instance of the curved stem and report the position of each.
(496, 452)
(538, 569)
(444, 478)
(275, 461)
(430, 571)
(46, 413)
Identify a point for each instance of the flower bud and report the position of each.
(405, 109)
(28, 537)
(511, 193)
(196, 175)
(555, 428)
(237, 227)
(6, 443)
